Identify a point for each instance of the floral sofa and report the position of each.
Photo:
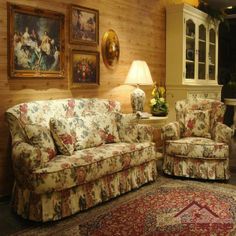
(71, 154)
(197, 144)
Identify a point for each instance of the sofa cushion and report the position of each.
(195, 147)
(197, 123)
(127, 128)
(63, 134)
(40, 136)
(90, 164)
(95, 129)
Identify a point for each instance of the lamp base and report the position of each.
(137, 98)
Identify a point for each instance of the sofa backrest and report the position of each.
(40, 112)
(216, 107)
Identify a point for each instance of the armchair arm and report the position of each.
(171, 131)
(25, 157)
(222, 133)
(145, 133)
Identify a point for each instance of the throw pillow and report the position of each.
(127, 128)
(197, 123)
(63, 134)
(94, 130)
(40, 136)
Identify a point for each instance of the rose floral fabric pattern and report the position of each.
(196, 167)
(128, 130)
(201, 150)
(59, 204)
(197, 123)
(40, 137)
(171, 131)
(217, 110)
(145, 133)
(195, 147)
(91, 165)
(82, 167)
(63, 134)
(95, 129)
(223, 133)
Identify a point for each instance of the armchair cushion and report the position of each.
(127, 128)
(40, 137)
(171, 131)
(63, 135)
(223, 133)
(197, 123)
(195, 147)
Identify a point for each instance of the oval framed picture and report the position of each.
(110, 48)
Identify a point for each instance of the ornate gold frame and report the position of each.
(83, 59)
(110, 48)
(25, 11)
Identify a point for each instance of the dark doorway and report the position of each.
(227, 64)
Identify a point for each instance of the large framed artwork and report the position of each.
(84, 68)
(84, 25)
(36, 42)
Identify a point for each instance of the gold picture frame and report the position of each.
(110, 48)
(84, 25)
(36, 42)
(85, 68)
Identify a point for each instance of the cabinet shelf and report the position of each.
(202, 40)
(190, 37)
(212, 44)
(189, 61)
(201, 63)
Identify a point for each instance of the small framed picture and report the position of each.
(36, 42)
(84, 25)
(84, 68)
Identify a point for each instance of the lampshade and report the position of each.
(139, 73)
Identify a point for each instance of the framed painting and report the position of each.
(84, 68)
(84, 25)
(36, 42)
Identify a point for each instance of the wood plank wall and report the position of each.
(140, 26)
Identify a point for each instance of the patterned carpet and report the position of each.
(166, 207)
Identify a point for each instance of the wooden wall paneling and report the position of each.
(140, 26)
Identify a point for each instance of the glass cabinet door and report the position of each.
(190, 50)
(202, 53)
(212, 54)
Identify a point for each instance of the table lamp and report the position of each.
(139, 74)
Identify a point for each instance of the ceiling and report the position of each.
(221, 4)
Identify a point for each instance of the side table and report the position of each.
(232, 102)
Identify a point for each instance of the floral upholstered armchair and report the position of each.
(197, 144)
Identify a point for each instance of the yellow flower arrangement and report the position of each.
(158, 103)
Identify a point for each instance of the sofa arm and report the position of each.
(222, 133)
(25, 157)
(145, 133)
(171, 131)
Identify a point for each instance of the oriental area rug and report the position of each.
(165, 207)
